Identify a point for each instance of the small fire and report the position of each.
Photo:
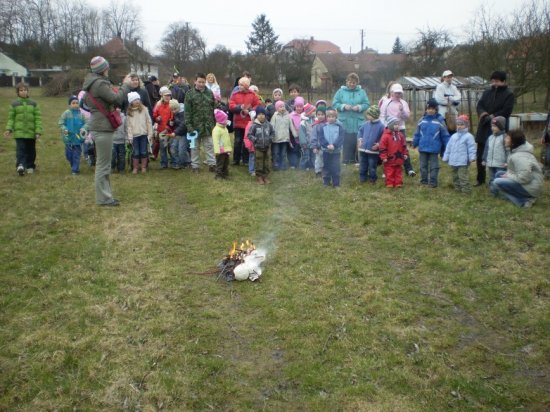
(242, 255)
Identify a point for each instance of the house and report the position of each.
(329, 70)
(10, 67)
(128, 57)
(313, 46)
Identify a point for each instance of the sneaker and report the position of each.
(412, 173)
(20, 170)
(529, 202)
(30, 171)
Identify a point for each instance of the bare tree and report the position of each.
(182, 43)
(122, 19)
(518, 43)
(426, 55)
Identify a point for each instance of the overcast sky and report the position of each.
(229, 23)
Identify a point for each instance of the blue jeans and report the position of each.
(251, 162)
(493, 172)
(306, 161)
(163, 150)
(118, 159)
(331, 169)
(183, 150)
(278, 151)
(139, 147)
(72, 154)
(294, 155)
(547, 162)
(178, 151)
(429, 168)
(509, 189)
(368, 162)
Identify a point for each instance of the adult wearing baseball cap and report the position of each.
(101, 97)
(448, 98)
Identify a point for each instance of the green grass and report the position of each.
(371, 299)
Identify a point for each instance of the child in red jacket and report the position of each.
(393, 152)
(162, 115)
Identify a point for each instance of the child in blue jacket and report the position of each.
(368, 140)
(331, 139)
(430, 138)
(73, 129)
(459, 153)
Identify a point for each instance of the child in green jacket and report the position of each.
(25, 123)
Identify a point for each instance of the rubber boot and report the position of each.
(144, 165)
(135, 165)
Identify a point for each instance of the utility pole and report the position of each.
(362, 38)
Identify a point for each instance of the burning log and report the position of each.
(241, 263)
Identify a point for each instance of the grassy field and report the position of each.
(371, 299)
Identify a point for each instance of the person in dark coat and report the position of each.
(153, 88)
(496, 101)
(137, 86)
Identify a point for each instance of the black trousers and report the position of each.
(481, 170)
(239, 151)
(25, 152)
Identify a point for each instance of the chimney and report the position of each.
(311, 38)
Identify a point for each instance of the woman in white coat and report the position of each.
(448, 98)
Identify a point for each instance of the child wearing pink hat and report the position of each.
(222, 144)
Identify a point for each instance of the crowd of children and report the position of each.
(272, 135)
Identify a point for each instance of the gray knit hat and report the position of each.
(499, 122)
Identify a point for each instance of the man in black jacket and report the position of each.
(497, 101)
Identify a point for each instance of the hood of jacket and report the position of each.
(524, 148)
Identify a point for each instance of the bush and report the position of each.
(69, 82)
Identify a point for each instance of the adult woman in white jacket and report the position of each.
(448, 96)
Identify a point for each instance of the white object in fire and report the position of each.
(250, 268)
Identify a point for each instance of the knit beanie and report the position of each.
(374, 112)
(499, 122)
(391, 122)
(220, 116)
(133, 96)
(498, 75)
(260, 109)
(299, 101)
(432, 104)
(309, 109)
(280, 91)
(321, 103)
(98, 64)
(322, 109)
(463, 120)
(164, 90)
(73, 97)
(279, 104)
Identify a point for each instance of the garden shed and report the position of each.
(419, 89)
